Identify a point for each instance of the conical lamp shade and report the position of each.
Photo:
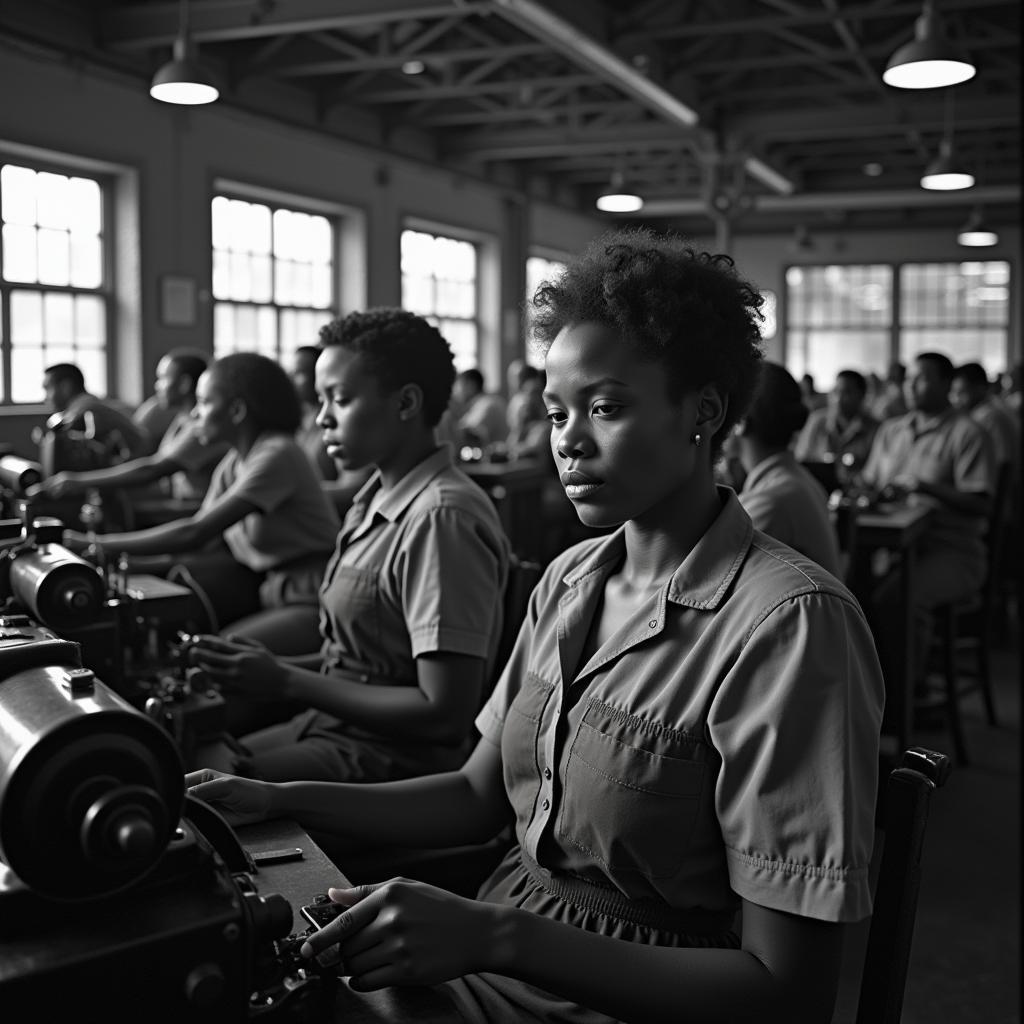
(943, 174)
(183, 80)
(976, 232)
(928, 61)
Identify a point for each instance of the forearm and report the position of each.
(434, 810)
(960, 501)
(167, 538)
(400, 711)
(126, 474)
(636, 982)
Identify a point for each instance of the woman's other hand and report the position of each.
(241, 801)
(403, 932)
(240, 665)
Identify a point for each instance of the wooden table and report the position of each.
(516, 490)
(896, 528)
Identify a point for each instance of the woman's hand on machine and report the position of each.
(241, 801)
(403, 932)
(241, 665)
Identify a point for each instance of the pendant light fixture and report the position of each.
(944, 173)
(928, 61)
(184, 80)
(976, 232)
(617, 198)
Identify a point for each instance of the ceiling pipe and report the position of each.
(818, 202)
(581, 49)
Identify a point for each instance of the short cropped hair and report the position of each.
(941, 363)
(189, 363)
(61, 372)
(474, 376)
(399, 348)
(688, 310)
(311, 352)
(856, 378)
(270, 397)
(972, 374)
(778, 410)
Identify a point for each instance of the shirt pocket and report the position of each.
(351, 605)
(519, 745)
(631, 794)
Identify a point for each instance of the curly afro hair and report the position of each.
(269, 395)
(399, 348)
(689, 310)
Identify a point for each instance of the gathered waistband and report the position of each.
(601, 899)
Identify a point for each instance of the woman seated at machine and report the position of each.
(411, 601)
(265, 523)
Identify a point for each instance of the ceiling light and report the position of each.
(928, 61)
(413, 67)
(976, 232)
(873, 169)
(617, 198)
(183, 80)
(943, 174)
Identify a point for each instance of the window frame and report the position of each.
(897, 320)
(106, 180)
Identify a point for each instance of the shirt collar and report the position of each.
(765, 466)
(921, 424)
(705, 574)
(398, 499)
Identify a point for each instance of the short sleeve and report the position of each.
(796, 723)
(973, 461)
(452, 568)
(265, 479)
(873, 470)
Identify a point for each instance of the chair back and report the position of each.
(522, 578)
(905, 800)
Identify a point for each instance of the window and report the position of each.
(838, 318)
(439, 281)
(959, 309)
(273, 276)
(864, 317)
(538, 270)
(54, 289)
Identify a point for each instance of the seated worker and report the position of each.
(970, 393)
(340, 485)
(182, 458)
(687, 726)
(937, 457)
(529, 436)
(779, 495)
(153, 417)
(411, 602)
(844, 428)
(480, 417)
(76, 409)
(264, 501)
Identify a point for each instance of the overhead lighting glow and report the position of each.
(928, 61)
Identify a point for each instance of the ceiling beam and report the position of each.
(811, 202)
(141, 26)
(586, 52)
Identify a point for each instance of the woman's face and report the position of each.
(620, 444)
(359, 421)
(213, 411)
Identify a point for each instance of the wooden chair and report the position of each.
(963, 632)
(904, 800)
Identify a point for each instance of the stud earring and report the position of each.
(696, 439)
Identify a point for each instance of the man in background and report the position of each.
(843, 428)
(481, 417)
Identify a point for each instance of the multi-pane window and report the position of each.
(53, 285)
(864, 317)
(273, 277)
(960, 309)
(538, 270)
(439, 281)
(839, 317)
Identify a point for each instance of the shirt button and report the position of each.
(547, 773)
(652, 623)
(546, 805)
